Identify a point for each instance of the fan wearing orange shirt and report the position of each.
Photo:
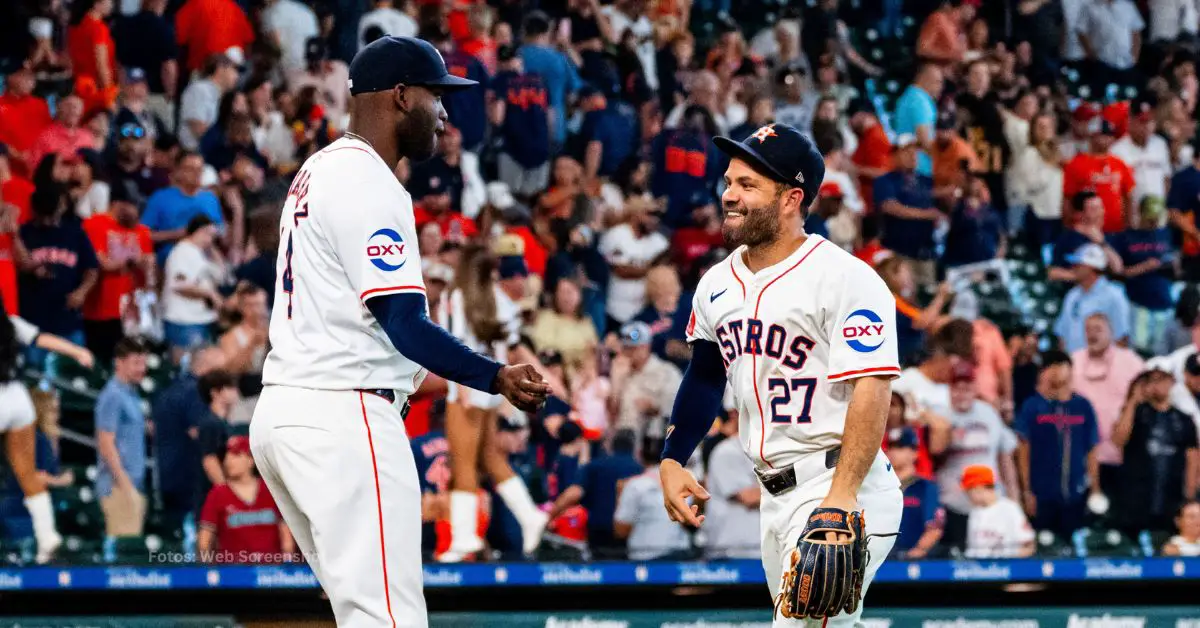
(207, 27)
(126, 256)
(23, 117)
(873, 157)
(93, 54)
(1109, 177)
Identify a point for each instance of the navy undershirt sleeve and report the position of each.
(697, 403)
(419, 339)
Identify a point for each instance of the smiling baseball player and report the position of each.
(804, 333)
(351, 340)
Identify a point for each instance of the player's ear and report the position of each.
(401, 96)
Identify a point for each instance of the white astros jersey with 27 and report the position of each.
(792, 336)
(347, 233)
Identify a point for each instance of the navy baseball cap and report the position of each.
(391, 61)
(903, 437)
(781, 152)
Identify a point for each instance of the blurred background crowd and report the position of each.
(1024, 175)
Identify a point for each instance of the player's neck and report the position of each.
(380, 140)
(768, 255)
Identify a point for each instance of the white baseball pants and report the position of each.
(784, 517)
(340, 467)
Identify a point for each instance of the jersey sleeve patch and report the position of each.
(863, 331)
(386, 250)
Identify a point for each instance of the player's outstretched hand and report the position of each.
(523, 386)
(678, 484)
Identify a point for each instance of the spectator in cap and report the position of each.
(330, 76)
(996, 527)
(146, 42)
(916, 112)
(923, 519)
(169, 210)
(460, 168)
(201, 100)
(204, 28)
(519, 110)
(1183, 206)
(1106, 175)
(905, 198)
(1093, 293)
(631, 249)
(1057, 434)
(541, 58)
(1079, 133)
(643, 385)
(1147, 153)
(390, 17)
(431, 190)
(1088, 228)
(1161, 455)
(981, 437)
(60, 273)
(1035, 180)
(240, 521)
(135, 104)
(192, 275)
(1149, 258)
(829, 204)
(121, 444)
(66, 134)
(952, 156)
(126, 259)
(23, 117)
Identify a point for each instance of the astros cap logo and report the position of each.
(763, 133)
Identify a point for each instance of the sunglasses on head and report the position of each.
(133, 130)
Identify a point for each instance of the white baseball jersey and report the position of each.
(997, 531)
(347, 233)
(792, 336)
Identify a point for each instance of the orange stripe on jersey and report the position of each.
(762, 423)
(389, 290)
(739, 279)
(876, 369)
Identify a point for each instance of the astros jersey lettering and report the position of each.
(347, 233)
(792, 336)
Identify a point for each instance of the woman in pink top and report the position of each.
(589, 395)
(65, 135)
(1102, 375)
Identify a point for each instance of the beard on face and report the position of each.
(416, 135)
(759, 226)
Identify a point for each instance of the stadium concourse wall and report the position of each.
(1029, 593)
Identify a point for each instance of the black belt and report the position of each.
(389, 395)
(780, 481)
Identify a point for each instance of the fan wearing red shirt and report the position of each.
(93, 53)
(240, 523)
(434, 206)
(701, 236)
(23, 117)
(126, 256)
(1109, 177)
(873, 157)
(207, 27)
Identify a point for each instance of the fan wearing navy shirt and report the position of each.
(1183, 202)
(519, 111)
(923, 519)
(609, 133)
(431, 453)
(976, 234)
(905, 198)
(687, 165)
(64, 269)
(1148, 256)
(1056, 460)
(1088, 229)
(466, 108)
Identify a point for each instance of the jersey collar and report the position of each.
(739, 262)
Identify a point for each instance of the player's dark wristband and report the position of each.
(697, 403)
(404, 318)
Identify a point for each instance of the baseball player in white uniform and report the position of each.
(17, 419)
(804, 333)
(351, 340)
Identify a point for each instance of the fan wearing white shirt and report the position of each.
(190, 296)
(389, 19)
(291, 24)
(996, 527)
(1147, 154)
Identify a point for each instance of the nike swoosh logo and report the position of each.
(716, 295)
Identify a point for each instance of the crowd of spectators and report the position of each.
(145, 148)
